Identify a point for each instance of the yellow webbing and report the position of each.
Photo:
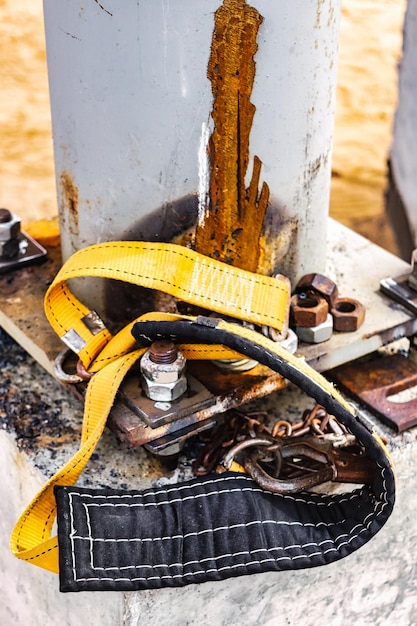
(180, 272)
(173, 269)
(31, 539)
(170, 268)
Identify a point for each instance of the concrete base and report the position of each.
(40, 424)
(375, 586)
(30, 595)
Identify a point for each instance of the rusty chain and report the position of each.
(285, 457)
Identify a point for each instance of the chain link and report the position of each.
(284, 456)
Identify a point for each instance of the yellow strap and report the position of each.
(176, 270)
(173, 269)
(179, 272)
(31, 539)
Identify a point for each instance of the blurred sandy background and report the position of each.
(370, 48)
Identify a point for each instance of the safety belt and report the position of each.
(209, 528)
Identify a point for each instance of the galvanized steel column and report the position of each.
(131, 112)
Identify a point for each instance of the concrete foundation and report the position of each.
(40, 423)
(377, 586)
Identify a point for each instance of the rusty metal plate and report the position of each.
(375, 380)
(156, 414)
(399, 290)
(137, 421)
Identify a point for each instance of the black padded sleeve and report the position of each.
(222, 525)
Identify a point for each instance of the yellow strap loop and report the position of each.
(179, 272)
(176, 270)
(173, 269)
(31, 539)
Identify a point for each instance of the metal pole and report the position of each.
(132, 110)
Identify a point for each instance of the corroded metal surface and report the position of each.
(388, 562)
(138, 421)
(375, 380)
(229, 229)
(21, 300)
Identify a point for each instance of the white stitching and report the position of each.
(238, 554)
(205, 531)
(372, 515)
(336, 499)
(242, 553)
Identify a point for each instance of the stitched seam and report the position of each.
(209, 263)
(371, 516)
(231, 555)
(205, 531)
(215, 481)
(239, 554)
(204, 298)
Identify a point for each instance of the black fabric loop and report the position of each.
(208, 529)
(219, 526)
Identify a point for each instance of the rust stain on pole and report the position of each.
(231, 226)
(70, 199)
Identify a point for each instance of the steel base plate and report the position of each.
(30, 251)
(399, 290)
(136, 420)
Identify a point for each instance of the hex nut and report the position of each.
(320, 284)
(316, 334)
(9, 229)
(308, 309)
(168, 392)
(348, 315)
(163, 382)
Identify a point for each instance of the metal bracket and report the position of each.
(30, 251)
(137, 421)
(399, 290)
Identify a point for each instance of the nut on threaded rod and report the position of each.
(9, 235)
(162, 370)
(163, 352)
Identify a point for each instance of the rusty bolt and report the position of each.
(163, 372)
(308, 309)
(320, 284)
(5, 216)
(348, 315)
